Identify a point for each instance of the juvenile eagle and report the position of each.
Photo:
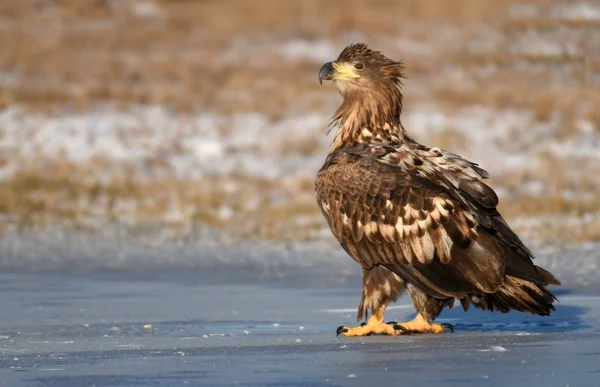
(415, 217)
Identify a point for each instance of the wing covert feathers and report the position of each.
(426, 215)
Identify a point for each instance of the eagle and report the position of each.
(416, 218)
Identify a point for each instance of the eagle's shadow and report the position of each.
(566, 318)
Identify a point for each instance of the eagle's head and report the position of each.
(370, 83)
(358, 68)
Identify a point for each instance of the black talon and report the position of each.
(398, 326)
(363, 324)
(391, 322)
(449, 326)
(340, 330)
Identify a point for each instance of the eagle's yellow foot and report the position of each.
(375, 326)
(421, 325)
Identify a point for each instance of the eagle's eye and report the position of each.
(359, 66)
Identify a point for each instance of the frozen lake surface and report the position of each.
(117, 330)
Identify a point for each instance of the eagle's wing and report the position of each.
(423, 213)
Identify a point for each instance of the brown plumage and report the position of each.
(415, 217)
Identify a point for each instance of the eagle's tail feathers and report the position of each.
(517, 294)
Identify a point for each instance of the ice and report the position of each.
(317, 263)
(494, 348)
(345, 310)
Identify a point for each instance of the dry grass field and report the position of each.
(205, 113)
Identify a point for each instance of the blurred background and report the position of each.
(187, 120)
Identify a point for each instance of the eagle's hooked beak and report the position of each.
(326, 72)
(342, 71)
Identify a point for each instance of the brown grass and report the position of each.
(80, 52)
(64, 194)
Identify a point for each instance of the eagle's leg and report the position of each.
(428, 308)
(380, 287)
